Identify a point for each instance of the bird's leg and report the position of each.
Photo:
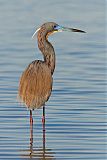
(43, 124)
(31, 119)
(44, 141)
(43, 117)
(31, 133)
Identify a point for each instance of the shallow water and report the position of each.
(76, 111)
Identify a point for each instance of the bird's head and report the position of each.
(51, 27)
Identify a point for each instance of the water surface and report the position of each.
(76, 111)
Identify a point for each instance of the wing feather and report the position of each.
(35, 85)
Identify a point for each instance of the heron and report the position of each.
(36, 81)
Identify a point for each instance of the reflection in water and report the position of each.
(41, 153)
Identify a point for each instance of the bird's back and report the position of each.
(35, 84)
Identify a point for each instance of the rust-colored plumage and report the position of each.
(36, 81)
(35, 84)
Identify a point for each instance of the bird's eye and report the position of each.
(55, 27)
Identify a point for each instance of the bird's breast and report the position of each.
(35, 84)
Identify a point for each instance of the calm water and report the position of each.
(76, 111)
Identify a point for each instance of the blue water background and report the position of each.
(76, 111)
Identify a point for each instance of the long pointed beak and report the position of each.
(60, 29)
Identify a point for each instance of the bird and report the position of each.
(35, 85)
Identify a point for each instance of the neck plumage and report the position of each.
(47, 50)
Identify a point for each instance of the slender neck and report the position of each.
(47, 50)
